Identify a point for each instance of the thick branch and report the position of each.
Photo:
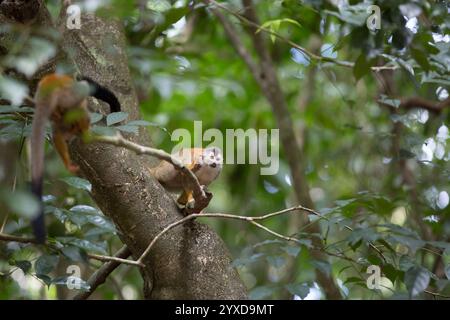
(11, 238)
(115, 259)
(418, 102)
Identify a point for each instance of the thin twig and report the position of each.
(110, 258)
(12, 238)
(99, 276)
(435, 294)
(223, 216)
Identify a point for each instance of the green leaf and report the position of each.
(421, 58)
(417, 280)
(362, 66)
(323, 266)
(116, 117)
(276, 261)
(405, 263)
(298, 289)
(46, 279)
(355, 245)
(94, 232)
(292, 250)
(292, 21)
(11, 109)
(45, 264)
(412, 243)
(101, 222)
(247, 260)
(159, 5)
(386, 244)
(84, 209)
(391, 272)
(74, 253)
(85, 244)
(24, 265)
(262, 292)
(306, 242)
(78, 183)
(83, 214)
(95, 117)
(103, 131)
(129, 129)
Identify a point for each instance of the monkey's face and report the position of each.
(212, 157)
(211, 162)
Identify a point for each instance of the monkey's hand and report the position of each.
(193, 206)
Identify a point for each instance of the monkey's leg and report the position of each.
(63, 150)
(186, 198)
(84, 126)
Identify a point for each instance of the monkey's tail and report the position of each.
(37, 169)
(102, 93)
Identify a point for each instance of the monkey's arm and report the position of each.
(188, 194)
(61, 147)
(174, 180)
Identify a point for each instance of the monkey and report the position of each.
(63, 101)
(206, 164)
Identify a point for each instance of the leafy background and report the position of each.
(371, 165)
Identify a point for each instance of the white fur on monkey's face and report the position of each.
(212, 157)
(211, 162)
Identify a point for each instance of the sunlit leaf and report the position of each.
(116, 117)
(78, 183)
(417, 279)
